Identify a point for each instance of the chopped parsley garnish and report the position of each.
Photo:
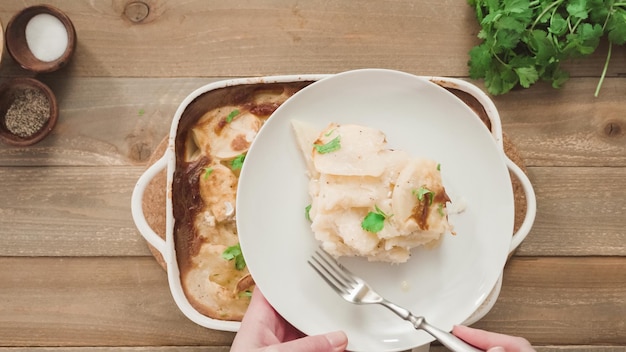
(207, 172)
(234, 253)
(237, 163)
(438, 167)
(423, 192)
(246, 293)
(232, 115)
(440, 209)
(374, 221)
(141, 112)
(307, 209)
(333, 145)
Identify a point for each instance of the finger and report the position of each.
(332, 342)
(258, 303)
(487, 340)
(259, 325)
(259, 312)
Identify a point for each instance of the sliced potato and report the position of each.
(357, 154)
(226, 132)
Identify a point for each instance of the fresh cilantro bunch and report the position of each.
(526, 41)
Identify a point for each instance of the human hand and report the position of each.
(492, 342)
(264, 330)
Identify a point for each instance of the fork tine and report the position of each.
(332, 272)
(339, 269)
(328, 276)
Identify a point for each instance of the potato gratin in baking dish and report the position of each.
(210, 135)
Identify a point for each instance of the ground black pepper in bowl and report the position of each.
(28, 111)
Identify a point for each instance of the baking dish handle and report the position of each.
(137, 205)
(531, 205)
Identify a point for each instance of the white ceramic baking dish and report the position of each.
(167, 249)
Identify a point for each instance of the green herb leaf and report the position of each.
(374, 221)
(527, 75)
(422, 193)
(234, 253)
(578, 9)
(232, 115)
(481, 60)
(333, 145)
(617, 27)
(207, 172)
(237, 163)
(246, 293)
(558, 25)
(141, 112)
(307, 210)
(440, 209)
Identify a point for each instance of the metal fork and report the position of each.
(355, 290)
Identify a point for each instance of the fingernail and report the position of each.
(497, 349)
(337, 339)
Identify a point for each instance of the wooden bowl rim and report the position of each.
(1, 40)
(15, 39)
(21, 83)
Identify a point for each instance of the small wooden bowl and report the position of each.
(8, 94)
(15, 38)
(1, 41)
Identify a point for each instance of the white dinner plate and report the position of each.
(446, 284)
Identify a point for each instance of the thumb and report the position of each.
(331, 342)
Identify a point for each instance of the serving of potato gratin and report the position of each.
(368, 200)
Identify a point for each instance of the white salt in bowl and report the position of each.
(41, 38)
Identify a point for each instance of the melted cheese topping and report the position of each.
(359, 175)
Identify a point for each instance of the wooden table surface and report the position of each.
(76, 275)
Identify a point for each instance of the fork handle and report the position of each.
(452, 342)
(447, 339)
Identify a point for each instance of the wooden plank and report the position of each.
(78, 211)
(568, 300)
(93, 302)
(567, 127)
(587, 348)
(580, 211)
(568, 348)
(119, 121)
(126, 302)
(217, 38)
(146, 349)
(68, 211)
(106, 121)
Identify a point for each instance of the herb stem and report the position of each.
(606, 66)
(556, 3)
(608, 16)
(499, 59)
(576, 25)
